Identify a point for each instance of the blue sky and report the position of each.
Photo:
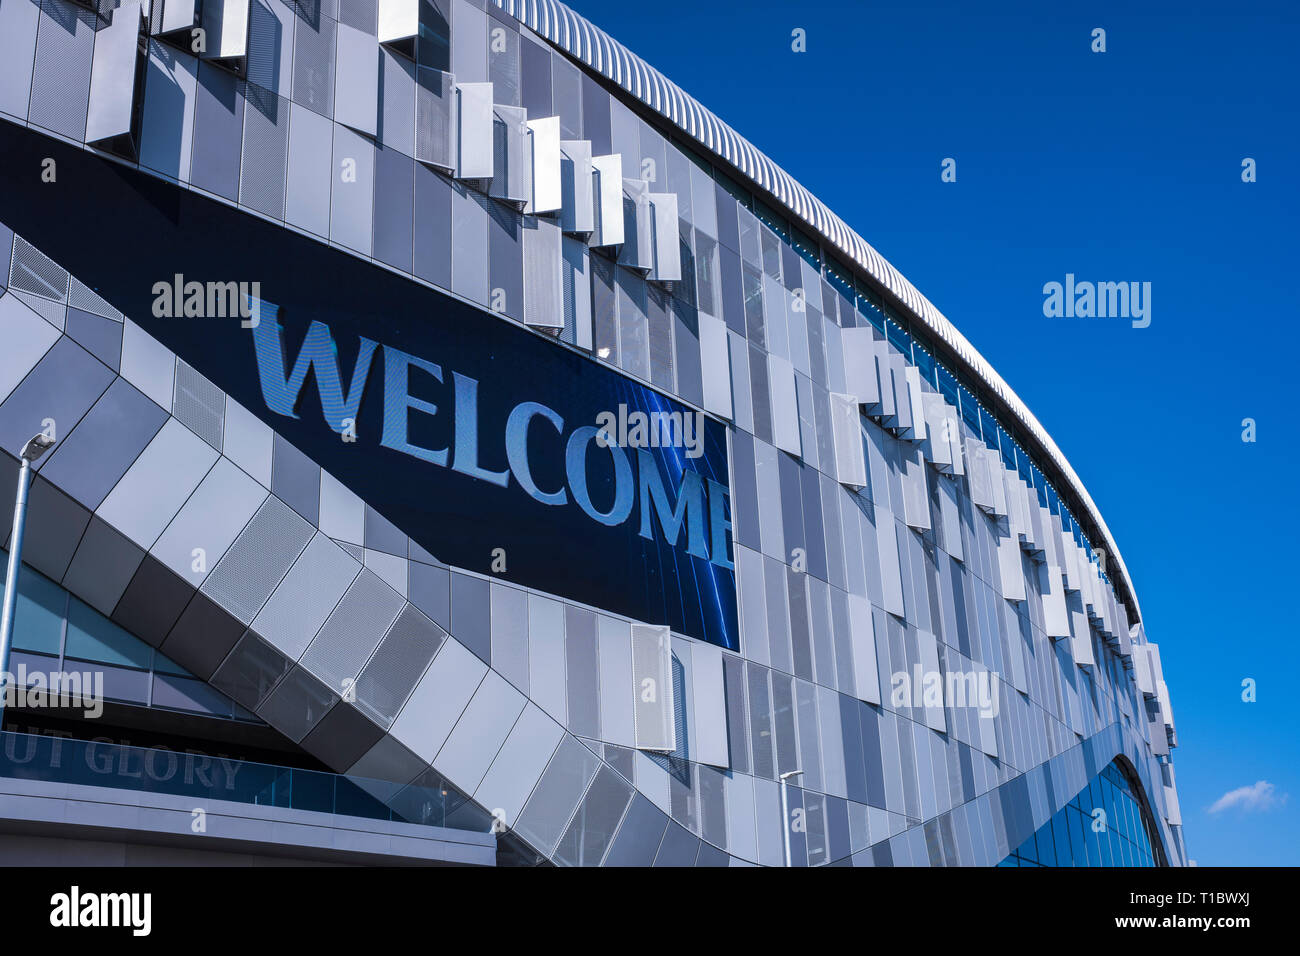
(1116, 166)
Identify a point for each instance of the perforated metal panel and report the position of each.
(258, 559)
(353, 631)
(313, 64)
(60, 94)
(577, 209)
(652, 688)
(311, 590)
(850, 458)
(266, 149)
(607, 177)
(512, 173)
(393, 670)
(435, 118)
(199, 405)
(32, 271)
(543, 296)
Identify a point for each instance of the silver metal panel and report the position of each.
(997, 487)
(546, 668)
(709, 706)
(200, 534)
(481, 731)
(311, 170)
(866, 676)
(916, 489)
(399, 22)
(652, 688)
(915, 430)
(617, 721)
(575, 288)
(474, 125)
(638, 231)
(17, 55)
(1056, 622)
(929, 648)
(950, 520)
(1010, 571)
(548, 194)
(27, 338)
(667, 246)
(356, 81)
(178, 15)
(519, 764)
(577, 199)
(225, 23)
(977, 470)
(512, 173)
(438, 700)
(938, 447)
(715, 366)
(850, 458)
(153, 490)
(353, 630)
(305, 597)
(115, 78)
(436, 122)
(607, 177)
(785, 405)
(543, 272)
(352, 197)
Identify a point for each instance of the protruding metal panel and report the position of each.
(117, 79)
(435, 118)
(859, 346)
(399, 25)
(638, 232)
(543, 292)
(512, 174)
(356, 81)
(175, 20)
(544, 139)
(608, 191)
(652, 688)
(474, 122)
(667, 247)
(225, 29)
(850, 458)
(577, 200)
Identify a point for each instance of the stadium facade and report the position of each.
(469, 449)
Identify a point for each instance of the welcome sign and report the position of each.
(496, 450)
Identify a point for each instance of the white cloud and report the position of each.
(1260, 796)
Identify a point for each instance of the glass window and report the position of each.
(93, 637)
(38, 612)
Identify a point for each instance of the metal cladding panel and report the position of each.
(954, 441)
(577, 199)
(475, 140)
(916, 489)
(938, 449)
(177, 15)
(997, 487)
(202, 531)
(27, 339)
(1010, 569)
(890, 572)
(667, 246)
(928, 645)
(438, 700)
(259, 558)
(915, 429)
(1015, 505)
(305, 597)
(709, 706)
(785, 405)
(652, 688)
(575, 285)
(860, 378)
(883, 408)
(225, 23)
(512, 172)
(1056, 622)
(607, 177)
(638, 230)
(60, 90)
(950, 520)
(977, 470)
(436, 122)
(1081, 640)
(850, 457)
(397, 664)
(354, 629)
(18, 22)
(547, 193)
(543, 271)
(399, 21)
(356, 81)
(158, 484)
(866, 675)
(115, 74)
(715, 366)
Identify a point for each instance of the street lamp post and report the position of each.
(785, 810)
(30, 453)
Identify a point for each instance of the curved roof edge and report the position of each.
(587, 43)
